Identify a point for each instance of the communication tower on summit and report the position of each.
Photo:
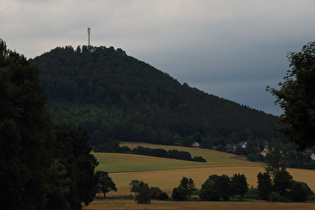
(89, 36)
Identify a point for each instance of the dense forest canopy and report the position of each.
(117, 97)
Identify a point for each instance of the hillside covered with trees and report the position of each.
(119, 98)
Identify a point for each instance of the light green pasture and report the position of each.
(116, 162)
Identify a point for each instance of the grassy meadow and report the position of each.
(166, 173)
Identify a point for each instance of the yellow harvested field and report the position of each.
(168, 179)
(166, 173)
(194, 205)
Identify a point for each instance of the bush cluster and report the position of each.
(172, 154)
(282, 188)
(223, 187)
(144, 193)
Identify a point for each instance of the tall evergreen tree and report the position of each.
(42, 166)
(25, 133)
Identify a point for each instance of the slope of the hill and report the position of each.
(117, 97)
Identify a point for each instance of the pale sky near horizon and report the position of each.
(229, 48)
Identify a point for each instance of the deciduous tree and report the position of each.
(71, 149)
(105, 183)
(239, 185)
(282, 182)
(142, 190)
(296, 97)
(264, 185)
(184, 190)
(216, 187)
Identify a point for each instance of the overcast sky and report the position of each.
(229, 48)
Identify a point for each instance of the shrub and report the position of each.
(179, 194)
(300, 192)
(199, 159)
(251, 157)
(252, 193)
(209, 191)
(143, 196)
(142, 190)
(219, 148)
(276, 197)
(155, 191)
(124, 149)
(215, 188)
(163, 196)
(259, 157)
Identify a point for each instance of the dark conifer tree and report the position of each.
(42, 166)
(25, 133)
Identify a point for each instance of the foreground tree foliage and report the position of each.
(71, 150)
(296, 97)
(43, 166)
(25, 132)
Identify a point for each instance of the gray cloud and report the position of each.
(232, 49)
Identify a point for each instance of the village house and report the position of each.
(243, 144)
(195, 144)
(265, 151)
(310, 153)
(230, 148)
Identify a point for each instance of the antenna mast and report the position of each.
(89, 36)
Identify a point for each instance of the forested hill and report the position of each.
(117, 97)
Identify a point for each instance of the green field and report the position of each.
(114, 162)
(166, 173)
